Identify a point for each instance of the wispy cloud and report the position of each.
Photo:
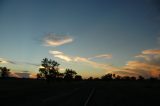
(55, 52)
(147, 63)
(151, 51)
(61, 55)
(56, 40)
(24, 74)
(33, 64)
(106, 67)
(12, 74)
(79, 59)
(4, 61)
(106, 56)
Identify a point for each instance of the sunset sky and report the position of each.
(92, 37)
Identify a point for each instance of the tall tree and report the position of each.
(69, 74)
(50, 69)
(4, 72)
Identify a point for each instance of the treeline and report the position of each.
(49, 71)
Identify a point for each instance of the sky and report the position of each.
(92, 37)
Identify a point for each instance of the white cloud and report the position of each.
(56, 40)
(64, 57)
(55, 52)
(61, 55)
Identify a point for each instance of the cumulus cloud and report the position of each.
(56, 40)
(151, 56)
(106, 56)
(148, 63)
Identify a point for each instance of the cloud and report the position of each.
(142, 68)
(148, 63)
(32, 75)
(28, 63)
(67, 58)
(125, 73)
(106, 56)
(55, 52)
(61, 55)
(151, 51)
(12, 74)
(56, 40)
(23, 74)
(106, 67)
(151, 56)
(4, 61)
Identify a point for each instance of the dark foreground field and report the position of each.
(94, 93)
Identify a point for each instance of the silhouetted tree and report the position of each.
(118, 77)
(78, 78)
(60, 76)
(107, 77)
(4, 72)
(90, 78)
(39, 76)
(153, 79)
(140, 78)
(69, 74)
(126, 78)
(49, 70)
(133, 78)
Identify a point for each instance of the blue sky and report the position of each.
(121, 29)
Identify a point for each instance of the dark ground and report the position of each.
(85, 93)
